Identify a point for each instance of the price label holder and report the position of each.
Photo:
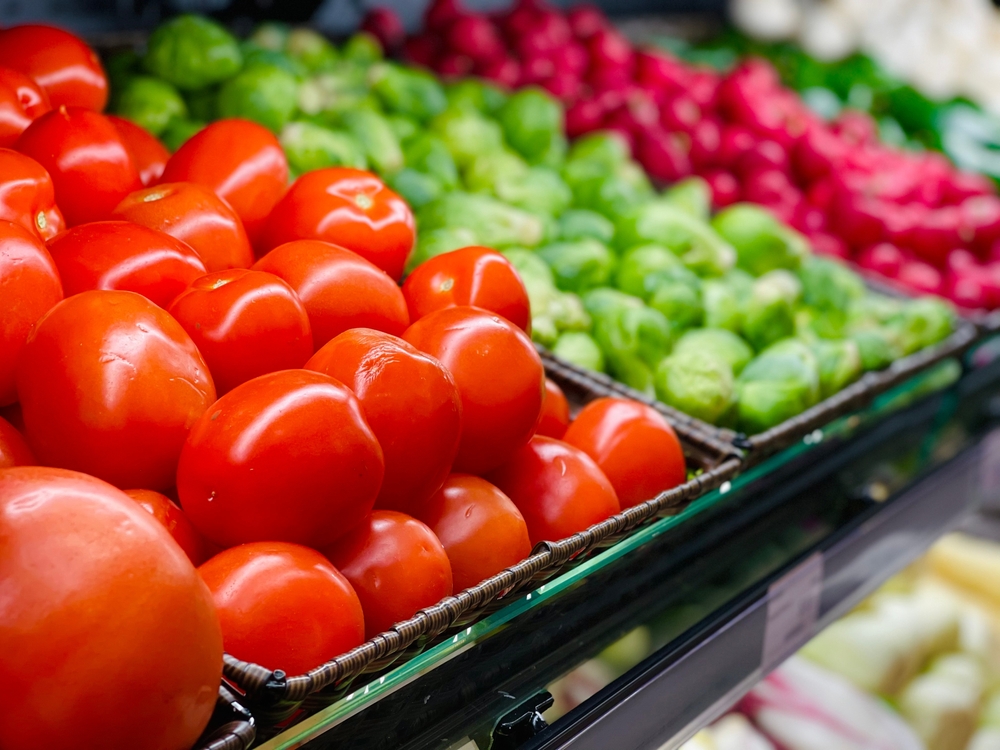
(792, 611)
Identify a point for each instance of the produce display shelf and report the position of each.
(771, 556)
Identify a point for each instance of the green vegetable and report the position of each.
(404, 127)
(309, 146)
(407, 91)
(719, 342)
(781, 382)
(922, 322)
(877, 347)
(362, 48)
(439, 241)
(178, 131)
(477, 94)
(609, 194)
(645, 268)
(494, 223)
(201, 104)
(829, 285)
(427, 153)
(467, 134)
(150, 103)
(271, 35)
(680, 302)
(725, 300)
(579, 349)
(417, 188)
(697, 383)
(311, 49)
(192, 52)
(579, 266)
(633, 337)
(255, 55)
(603, 147)
(539, 190)
(264, 94)
(691, 195)
(770, 311)
(532, 122)
(486, 172)
(762, 242)
(839, 364)
(579, 224)
(377, 138)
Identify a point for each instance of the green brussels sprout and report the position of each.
(812, 324)
(483, 173)
(363, 48)
(604, 299)
(726, 299)
(178, 131)
(532, 122)
(719, 342)
(680, 302)
(477, 94)
(192, 52)
(693, 196)
(254, 55)
(839, 364)
(467, 134)
(539, 190)
(877, 346)
(698, 383)
(781, 382)
(829, 285)
(427, 153)
(376, 137)
(568, 312)
(309, 146)
(495, 223)
(922, 322)
(645, 268)
(407, 91)
(404, 127)
(762, 242)
(264, 94)
(150, 103)
(608, 194)
(580, 349)
(271, 35)
(605, 148)
(770, 311)
(633, 338)
(581, 224)
(439, 241)
(579, 266)
(416, 188)
(313, 50)
(872, 310)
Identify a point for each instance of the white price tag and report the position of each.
(792, 611)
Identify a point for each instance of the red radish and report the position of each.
(736, 141)
(960, 259)
(476, 38)
(962, 185)
(662, 155)
(536, 70)
(974, 287)
(661, 70)
(725, 187)
(830, 245)
(547, 32)
(859, 221)
(583, 116)
(585, 20)
(765, 154)
(937, 234)
(820, 194)
(703, 88)
(772, 188)
(610, 79)
(902, 221)
(808, 219)
(883, 258)
(706, 140)
(816, 153)
(564, 85)
(519, 20)
(504, 71)
(920, 276)
(570, 57)
(856, 127)
(609, 49)
(980, 221)
(441, 14)
(453, 65)
(385, 25)
(680, 113)
(422, 49)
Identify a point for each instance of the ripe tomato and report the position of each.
(242, 162)
(64, 66)
(350, 208)
(27, 196)
(110, 384)
(482, 531)
(172, 518)
(287, 457)
(14, 451)
(29, 287)
(108, 631)
(499, 376)
(13, 119)
(396, 566)
(150, 156)
(245, 323)
(283, 606)
(476, 276)
(195, 215)
(411, 403)
(90, 166)
(126, 256)
(634, 446)
(340, 289)
(558, 489)
(555, 412)
(33, 98)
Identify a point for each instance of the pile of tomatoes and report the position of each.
(203, 366)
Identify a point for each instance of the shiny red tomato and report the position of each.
(242, 162)
(27, 196)
(287, 457)
(245, 323)
(174, 521)
(558, 489)
(340, 289)
(555, 412)
(350, 208)
(195, 215)
(64, 66)
(150, 156)
(110, 384)
(476, 276)
(13, 119)
(126, 256)
(396, 566)
(29, 287)
(14, 450)
(480, 528)
(33, 98)
(283, 606)
(634, 446)
(411, 403)
(89, 163)
(108, 631)
(499, 376)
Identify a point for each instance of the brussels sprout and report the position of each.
(467, 134)
(192, 52)
(645, 268)
(310, 48)
(309, 146)
(407, 91)
(680, 304)
(178, 131)
(579, 349)
(150, 103)
(532, 122)
(376, 137)
(633, 339)
(606, 148)
(483, 173)
(693, 196)
(539, 190)
(762, 242)
(719, 342)
(416, 188)
(264, 94)
(878, 347)
(495, 223)
(608, 194)
(581, 224)
(363, 48)
(427, 154)
(271, 35)
(770, 312)
(405, 128)
(603, 300)
(779, 383)
(726, 300)
(568, 312)
(254, 55)
(579, 266)
(829, 285)
(839, 364)
(477, 94)
(697, 383)
(922, 322)
(812, 324)
(439, 241)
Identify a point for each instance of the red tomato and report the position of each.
(396, 565)
(558, 489)
(555, 412)
(634, 446)
(476, 276)
(480, 528)
(347, 207)
(499, 376)
(13, 119)
(110, 384)
(340, 289)
(109, 633)
(12, 413)
(174, 521)
(411, 403)
(195, 215)
(27, 196)
(33, 98)
(242, 162)
(287, 456)
(29, 287)
(90, 166)
(245, 323)
(150, 156)
(63, 65)
(14, 451)
(126, 256)
(283, 606)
